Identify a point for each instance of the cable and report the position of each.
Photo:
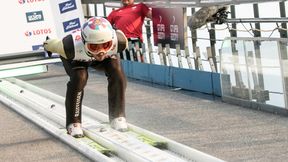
(246, 30)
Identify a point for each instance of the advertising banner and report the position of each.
(68, 16)
(168, 26)
(26, 23)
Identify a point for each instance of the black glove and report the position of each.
(45, 43)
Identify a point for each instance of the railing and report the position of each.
(203, 45)
(24, 63)
(254, 72)
(253, 69)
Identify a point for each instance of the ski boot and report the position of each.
(119, 124)
(75, 130)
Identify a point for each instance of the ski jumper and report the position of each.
(76, 62)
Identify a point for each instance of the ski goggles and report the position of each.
(96, 49)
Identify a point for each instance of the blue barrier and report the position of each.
(200, 81)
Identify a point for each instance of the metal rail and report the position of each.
(258, 20)
(29, 63)
(38, 53)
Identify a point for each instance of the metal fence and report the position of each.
(202, 51)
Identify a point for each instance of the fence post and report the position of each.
(161, 54)
(130, 46)
(168, 54)
(284, 55)
(187, 56)
(149, 43)
(212, 35)
(138, 52)
(144, 54)
(194, 42)
(198, 59)
(179, 56)
(210, 59)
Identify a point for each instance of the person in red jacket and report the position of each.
(96, 45)
(129, 19)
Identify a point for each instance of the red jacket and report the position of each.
(129, 19)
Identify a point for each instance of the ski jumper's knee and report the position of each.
(78, 79)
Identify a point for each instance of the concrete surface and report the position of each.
(23, 141)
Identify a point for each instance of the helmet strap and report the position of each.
(83, 40)
(87, 52)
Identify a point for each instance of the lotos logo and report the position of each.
(38, 32)
(28, 33)
(71, 25)
(34, 16)
(67, 6)
(29, 1)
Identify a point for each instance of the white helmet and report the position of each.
(97, 30)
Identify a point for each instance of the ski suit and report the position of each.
(76, 62)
